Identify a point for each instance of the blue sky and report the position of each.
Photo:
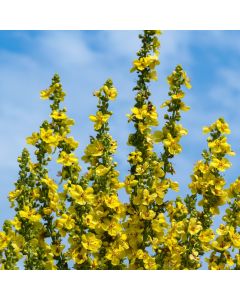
(84, 60)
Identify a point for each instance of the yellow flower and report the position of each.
(146, 214)
(33, 166)
(112, 227)
(77, 193)
(159, 223)
(222, 126)
(179, 95)
(229, 259)
(221, 244)
(180, 130)
(58, 115)
(186, 80)
(157, 136)
(142, 254)
(4, 240)
(50, 183)
(220, 145)
(206, 129)
(184, 107)
(71, 142)
(29, 214)
(140, 113)
(234, 189)
(235, 237)
(139, 64)
(220, 164)
(222, 230)
(47, 210)
(194, 255)
(174, 186)
(65, 221)
(152, 61)
(81, 196)
(158, 171)
(57, 249)
(111, 93)
(143, 62)
(68, 122)
(141, 169)
(135, 157)
(172, 144)
(17, 242)
(146, 197)
(45, 94)
(35, 193)
(48, 137)
(99, 119)
(215, 266)
(206, 235)
(194, 226)
(122, 242)
(130, 182)
(142, 127)
(237, 259)
(33, 139)
(90, 221)
(150, 264)
(153, 75)
(114, 256)
(95, 149)
(112, 201)
(67, 159)
(203, 167)
(14, 194)
(16, 223)
(135, 237)
(214, 210)
(79, 255)
(102, 170)
(90, 242)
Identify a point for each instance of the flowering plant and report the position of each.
(77, 220)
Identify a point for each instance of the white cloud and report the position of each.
(64, 47)
(121, 43)
(223, 40)
(175, 49)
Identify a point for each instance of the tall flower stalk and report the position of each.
(144, 163)
(169, 238)
(38, 199)
(97, 240)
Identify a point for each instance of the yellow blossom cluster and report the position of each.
(66, 219)
(39, 204)
(206, 180)
(96, 239)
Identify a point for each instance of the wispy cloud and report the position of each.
(64, 48)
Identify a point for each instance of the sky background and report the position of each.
(84, 60)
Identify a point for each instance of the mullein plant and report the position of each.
(170, 248)
(209, 187)
(227, 235)
(98, 242)
(38, 200)
(148, 183)
(145, 167)
(77, 221)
